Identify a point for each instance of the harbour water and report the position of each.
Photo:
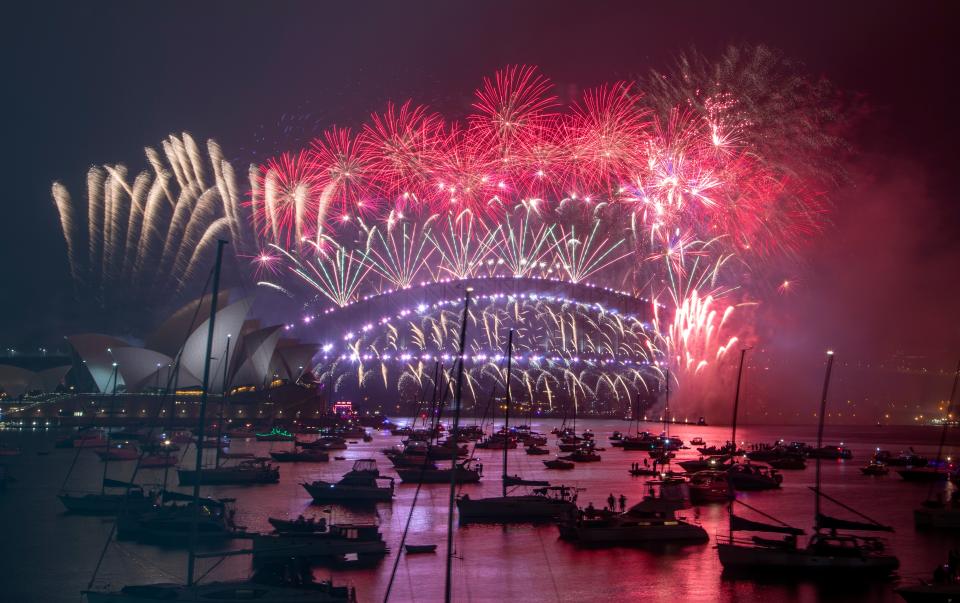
(50, 556)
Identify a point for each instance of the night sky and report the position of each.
(95, 82)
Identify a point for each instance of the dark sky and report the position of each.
(95, 82)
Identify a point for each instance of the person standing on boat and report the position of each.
(623, 503)
(611, 502)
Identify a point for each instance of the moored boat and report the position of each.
(710, 486)
(654, 519)
(361, 540)
(300, 525)
(559, 464)
(362, 484)
(254, 471)
(464, 474)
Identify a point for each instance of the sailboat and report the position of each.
(747, 476)
(108, 503)
(934, 512)
(245, 471)
(269, 585)
(543, 504)
(828, 549)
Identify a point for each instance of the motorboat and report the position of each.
(361, 484)
(710, 486)
(536, 450)
(875, 468)
(582, 456)
(300, 525)
(559, 464)
(697, 441)
(729, 449)
(364, 541)
(654, 519)
(705, 463)
(749, 477)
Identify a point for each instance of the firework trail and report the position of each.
(151, 234)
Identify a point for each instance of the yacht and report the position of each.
(361, 484)
(749, 477)
(709, 486)
(363, 541)
(654, 519)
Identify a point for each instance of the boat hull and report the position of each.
(331, 492)
(759, 559)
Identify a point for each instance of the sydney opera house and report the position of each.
(261, 373)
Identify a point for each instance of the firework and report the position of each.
(147, 238)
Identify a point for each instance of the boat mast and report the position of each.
(736, 400)
(457, 398)
(506, 414)
(946, 424)
(666, 408)
(223, 401)
(194, 528)
(823, 410)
